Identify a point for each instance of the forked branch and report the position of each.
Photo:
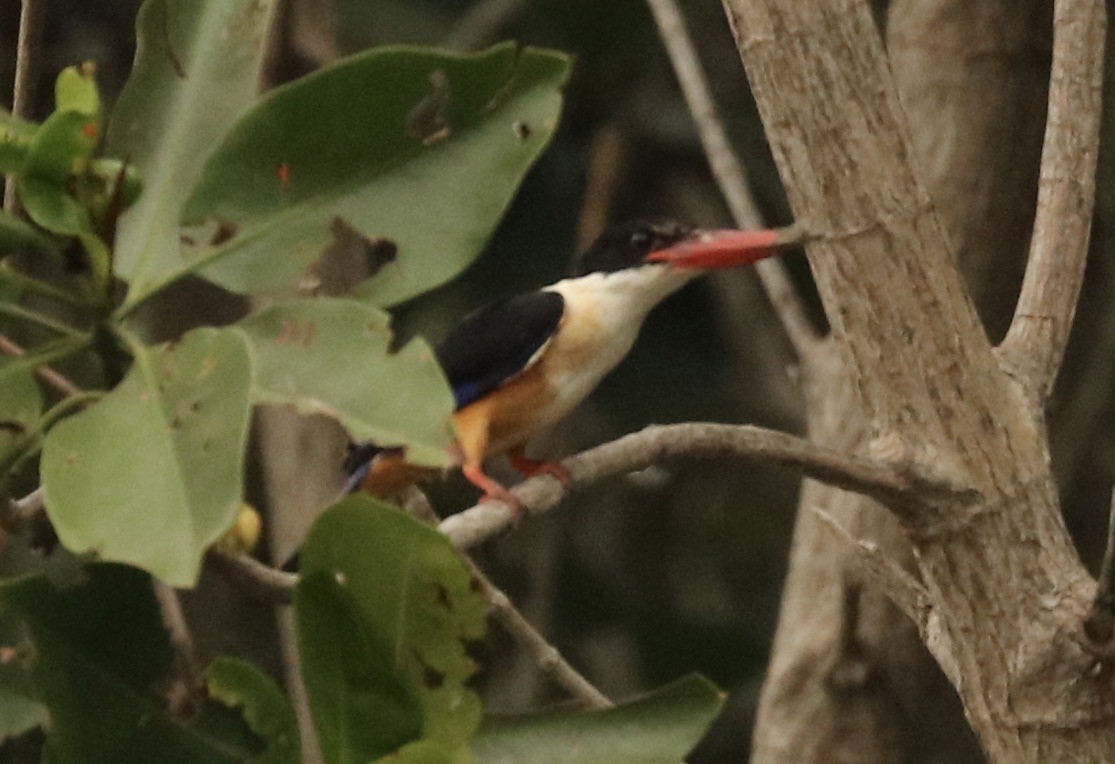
(1035, 344)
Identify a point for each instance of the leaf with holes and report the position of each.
(384, 609)
(659, 728)
(417, 151)
(332, 357)
(197, 70)
(152, 474)
(239, 684)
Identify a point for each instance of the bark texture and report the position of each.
(972, 79)
(1005, 590)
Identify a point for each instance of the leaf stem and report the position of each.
(34, 317)
(10, 275)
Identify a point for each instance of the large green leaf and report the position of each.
(659, 728)
(384, 609)
(418, 150)
(197, 70)
(100, 663)
(332, 357)
(267, 711)
(153, 474)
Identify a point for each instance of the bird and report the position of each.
(524, 362)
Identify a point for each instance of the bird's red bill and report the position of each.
(719, 249)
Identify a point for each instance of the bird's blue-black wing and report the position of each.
(498, 342)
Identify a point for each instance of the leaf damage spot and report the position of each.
(90, 130)
(350, 257)
(226, 229)
(72, 459)
(522, 129)
(431, 677)
(428, 121)
(208, 366)
(443, 598)
(298, 334)
(283, 173)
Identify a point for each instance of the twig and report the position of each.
(728, 170)
(259, 580)
(26, 77)
(482, 24)
(547, 657)
(48, 375)
(905, 591)
(695, 439)
(19, 512)
(296, 688)
(184, 694)
(1100, 623)
(1035, 343)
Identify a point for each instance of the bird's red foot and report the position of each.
(532, 467)
(493, 491)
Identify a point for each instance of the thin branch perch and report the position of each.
(1035, 343)
(694, 440)
(729, 171)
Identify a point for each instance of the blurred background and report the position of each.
(678, 568)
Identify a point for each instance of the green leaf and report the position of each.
(15, 136)
(267, 711)
(152, 474)
(332, 357)
(660, 728)
(100, 663)
(383, 608)
(18, 236)
(76, 90)
(97, 644)
(20, 709)
(197, 69)
(65, 139)
(420, 151)
(21, 403)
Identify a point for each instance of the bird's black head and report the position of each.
(626, 245)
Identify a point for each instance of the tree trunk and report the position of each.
(1003, 590)
(972, 81)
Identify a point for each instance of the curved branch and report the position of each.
(1035, 343)
(259, 580)
(729, 172)
(890, 484)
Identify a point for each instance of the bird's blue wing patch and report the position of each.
(497, 343)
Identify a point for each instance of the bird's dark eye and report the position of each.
(640, 239)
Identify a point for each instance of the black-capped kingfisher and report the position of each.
(522, 363)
